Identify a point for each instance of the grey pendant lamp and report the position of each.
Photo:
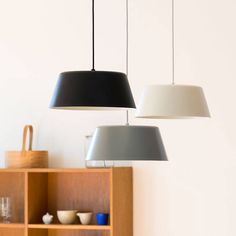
(122, 143)
(92, 90)
(172, 101)
(126, 143)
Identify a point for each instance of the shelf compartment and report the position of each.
(66, 232)
(62, 232)
(72, 227)
(37, 232)
(82, 191)
(12, 232)
(12, 184)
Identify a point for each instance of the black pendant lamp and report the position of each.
(92, 90)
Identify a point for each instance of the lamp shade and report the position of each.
(131, 143)
(172, 101)
(92, 90)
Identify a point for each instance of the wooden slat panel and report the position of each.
(37, 232)
(60, 170)
(77, 226)
(37, 196)
(77, 233)
(11, 232)
(122, 202)
(12, 185)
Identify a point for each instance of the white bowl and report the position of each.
(66, 217)
(85, 217)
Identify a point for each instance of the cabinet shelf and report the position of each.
(60, 226)
(34, 192)
(12, 225)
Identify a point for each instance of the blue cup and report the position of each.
(102, 218)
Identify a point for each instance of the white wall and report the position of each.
(194, 193)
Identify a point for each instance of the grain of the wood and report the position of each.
(111, 203)
(60, 170)
(37, 232)
(11, 232)
(26, 200)
(77, 233)
(70, 227)
(28, 159)
(37, 196)
(12, 185)
(12, 225)
(26, 129)
(122, 202)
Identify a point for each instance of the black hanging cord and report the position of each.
(93, 47)
(127, 49)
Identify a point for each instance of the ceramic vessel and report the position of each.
(85, 217)
(67, 217)
(102, 218)
(47, 219)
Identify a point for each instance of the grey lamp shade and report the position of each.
(131, 143)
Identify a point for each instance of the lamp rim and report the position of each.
(172, 117)
(174, 85)
(130, 126)
(131, 160)
(91, 108)
(93, 71)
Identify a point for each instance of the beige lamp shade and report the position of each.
(172, 102)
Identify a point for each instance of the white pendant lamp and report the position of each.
(125, 142)
(172, 101)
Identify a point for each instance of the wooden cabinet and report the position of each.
(37, 191)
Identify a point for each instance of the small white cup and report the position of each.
(85, 217)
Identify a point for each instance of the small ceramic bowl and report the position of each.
(66, 217)
(85, 217)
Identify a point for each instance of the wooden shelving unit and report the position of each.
(37, 191)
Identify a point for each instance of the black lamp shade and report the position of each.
(92, 90)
